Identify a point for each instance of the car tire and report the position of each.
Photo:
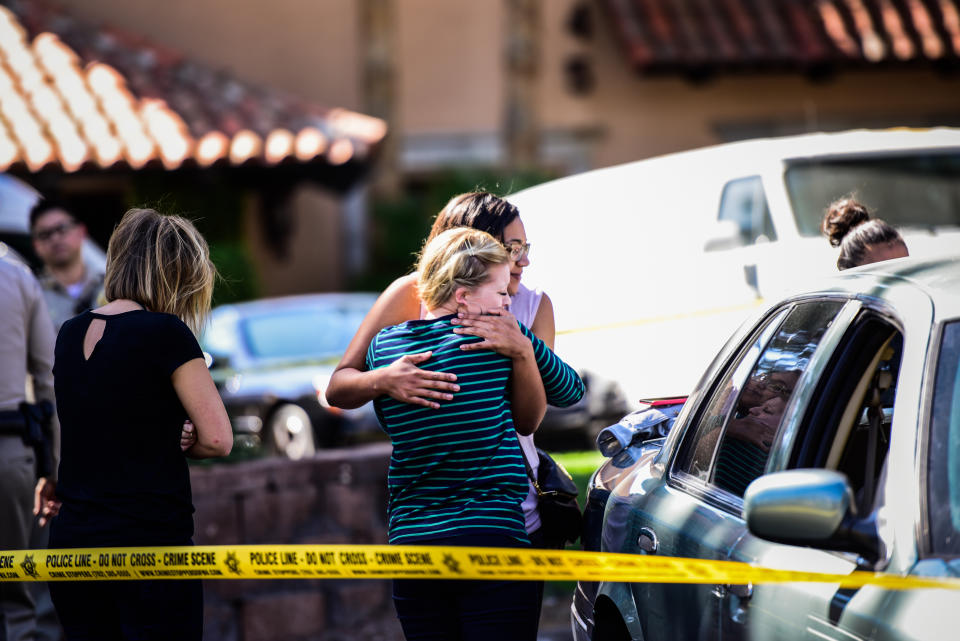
(289, 432)
(608, 624)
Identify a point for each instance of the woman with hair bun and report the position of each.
(861, 238)
(456, 475)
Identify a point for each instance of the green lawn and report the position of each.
(581, 466)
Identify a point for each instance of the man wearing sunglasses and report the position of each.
(70, 286)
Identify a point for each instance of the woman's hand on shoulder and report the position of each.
(403, 381)
(499, 330)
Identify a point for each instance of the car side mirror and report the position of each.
(725, 234)
(809, 507)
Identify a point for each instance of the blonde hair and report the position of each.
(161, 262)
(455, 258)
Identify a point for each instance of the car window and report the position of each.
(944, 448)
(307, 332)
(920, 189)
(740, 421)
(848, 425)
(744, 203)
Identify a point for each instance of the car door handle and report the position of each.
(648, 541)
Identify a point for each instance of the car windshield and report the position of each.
(944, 450)
(303, 332)
(916, 190)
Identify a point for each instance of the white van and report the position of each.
(652, 264)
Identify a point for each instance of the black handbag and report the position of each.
(560, 517)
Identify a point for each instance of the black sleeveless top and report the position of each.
(123, 479)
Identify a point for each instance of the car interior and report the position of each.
(848, 427)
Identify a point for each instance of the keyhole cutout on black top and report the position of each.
(93, 336)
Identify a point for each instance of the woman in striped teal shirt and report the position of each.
(456, 475)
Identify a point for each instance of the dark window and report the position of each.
(920, 190)
(944, 448)
(741, 420)
(848, 426)
(744, 203)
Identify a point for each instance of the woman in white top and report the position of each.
(352, 386)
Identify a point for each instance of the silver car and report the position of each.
(825, 436)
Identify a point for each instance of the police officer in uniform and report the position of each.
(29, 432)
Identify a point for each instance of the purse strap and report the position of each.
(533, 479)
(526, 465)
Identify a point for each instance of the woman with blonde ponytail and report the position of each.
(457, 475)
(127, 375)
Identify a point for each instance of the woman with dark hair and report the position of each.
(352, 385)
(861, 238)
(126, 376)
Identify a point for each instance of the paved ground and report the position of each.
(555, 619)
(554, 624)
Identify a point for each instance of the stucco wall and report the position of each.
(449, 59)
(449, 63)
(314, 259)
(642, 117)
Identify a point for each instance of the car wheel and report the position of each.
(290, 432)
(608, 624)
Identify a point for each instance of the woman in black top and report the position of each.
(127, 376)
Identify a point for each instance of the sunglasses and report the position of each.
(43, 235)
(517, 250)
(775, 386)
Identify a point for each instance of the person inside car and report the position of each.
(752, 427)
(751, 430)
(861, 238)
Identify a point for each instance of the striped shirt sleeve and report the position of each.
(561, 383)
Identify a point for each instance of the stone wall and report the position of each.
(339, 496)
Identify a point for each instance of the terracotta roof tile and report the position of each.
(72, 95)
(685, 36)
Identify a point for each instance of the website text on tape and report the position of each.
(409, 562)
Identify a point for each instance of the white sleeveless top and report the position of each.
(524, 306)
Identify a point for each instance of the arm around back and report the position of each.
(199, 396)
(351, 385)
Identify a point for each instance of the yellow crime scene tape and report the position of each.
(409, 562)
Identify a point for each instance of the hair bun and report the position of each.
(842, 216)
